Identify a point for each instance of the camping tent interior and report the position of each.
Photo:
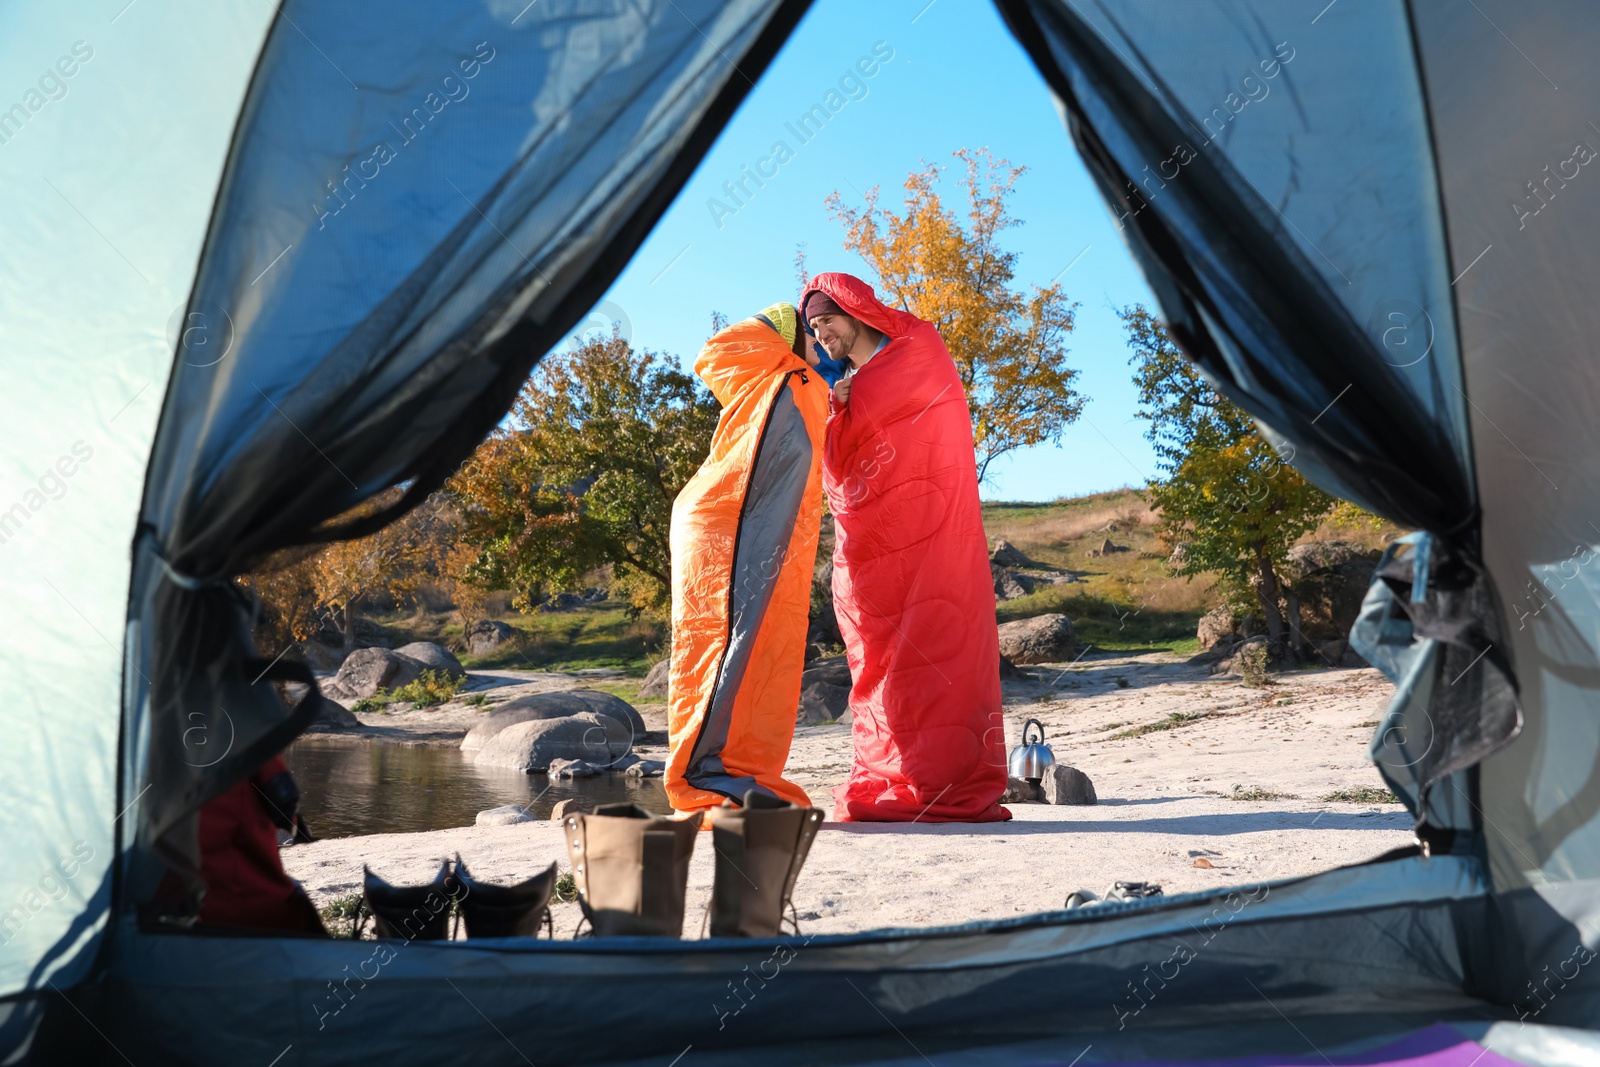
(1423, 192)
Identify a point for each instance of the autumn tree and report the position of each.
(392, 564)
(1226, 494)
(303, 588)
(600, 443)
(286, 596)
(1008, 344)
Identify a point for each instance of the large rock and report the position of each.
(824, 692)
(1331, 578)
(1006, 554)
(557, 705)
(1217, 626)
(367, 670)
(1068, 785)
(332, 717)
(1009, 586)
(433, 658)
(486, 635)
(655, 683)
(1041, 639)
(531, 746)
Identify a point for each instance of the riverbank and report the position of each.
(1252, 784)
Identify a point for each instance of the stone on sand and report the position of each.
(509, 815)
(1041, 639)
(367, 670)
(1022, 791)
(1068, 785)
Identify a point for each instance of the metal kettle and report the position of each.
(1031, 761)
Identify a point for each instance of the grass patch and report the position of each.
(339, 912)
(476, 700)
(1171, 722)
(1365, 795)
(1255, 792)
(627, 690)
(566, 890)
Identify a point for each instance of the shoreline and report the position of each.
(1188, 767)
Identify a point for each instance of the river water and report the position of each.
(353, 790)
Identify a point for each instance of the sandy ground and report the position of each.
(1167, 800)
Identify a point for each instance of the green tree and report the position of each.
(600, 442)
(1231, 499)
(1008, 344)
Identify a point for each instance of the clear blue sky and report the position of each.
(956, 80)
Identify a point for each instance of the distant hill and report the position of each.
(1125, 600)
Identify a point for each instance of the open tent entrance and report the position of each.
(361, 355)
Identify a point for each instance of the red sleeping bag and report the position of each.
(911, 581)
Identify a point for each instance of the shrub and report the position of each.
(339, 913)
(1253, 666)
(1255, 792)
(1364, 795)
(430, 688)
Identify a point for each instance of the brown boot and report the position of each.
(632, 868)
(760, 850)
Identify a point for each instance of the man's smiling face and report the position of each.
(838, 333)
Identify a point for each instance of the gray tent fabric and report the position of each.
(1235, 195)
(406, 221)
(1352, 215)
(1520, 225)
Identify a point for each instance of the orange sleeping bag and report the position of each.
(744, 544)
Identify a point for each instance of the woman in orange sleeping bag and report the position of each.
(911, 579)
(744, 544)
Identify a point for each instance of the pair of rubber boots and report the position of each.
(632, 867)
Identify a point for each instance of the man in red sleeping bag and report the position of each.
(911, 578)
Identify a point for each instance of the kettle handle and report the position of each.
(1033, 722)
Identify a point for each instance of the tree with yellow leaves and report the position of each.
(1008, 344)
